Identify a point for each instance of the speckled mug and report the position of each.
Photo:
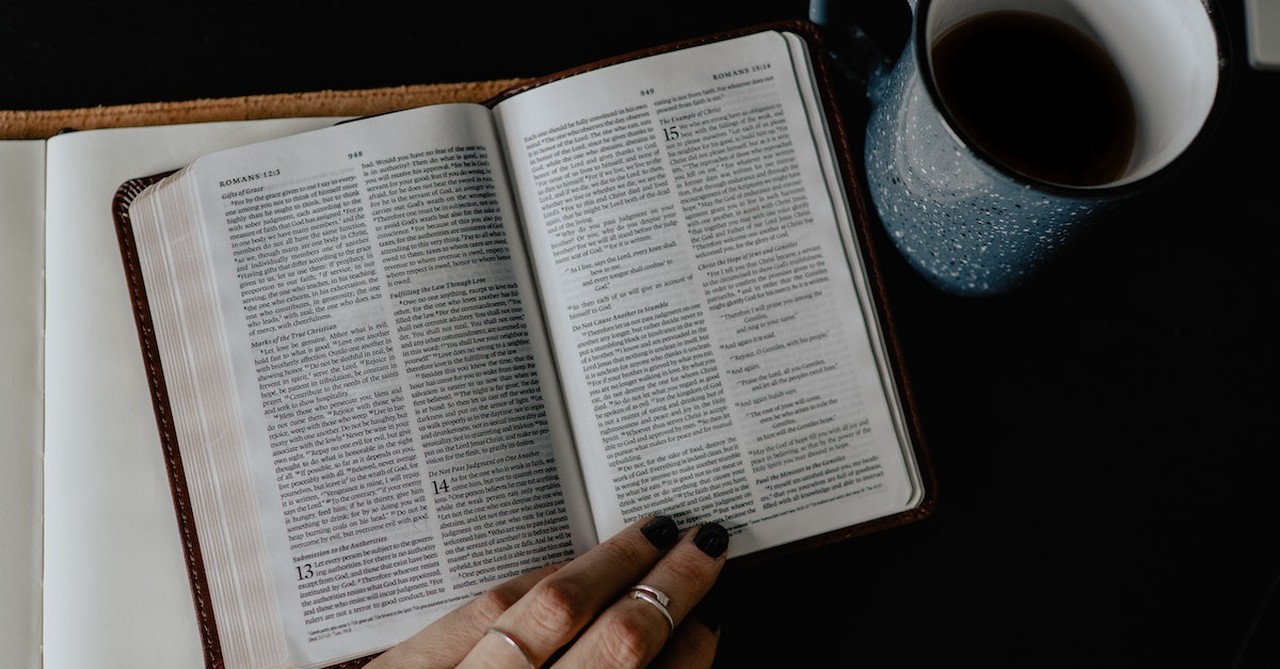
(973, 226)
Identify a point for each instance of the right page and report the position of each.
(707, 300)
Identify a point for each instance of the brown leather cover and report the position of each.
(489, 92)
(160, 403)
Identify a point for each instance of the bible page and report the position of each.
(717, 352)
(116, 589)
(362, 346)
(21, 397)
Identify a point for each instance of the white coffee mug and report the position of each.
(965, 155)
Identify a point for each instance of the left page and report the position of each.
(359, 382)
(115, 585)
(21, 397)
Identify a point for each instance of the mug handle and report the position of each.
(864, 37)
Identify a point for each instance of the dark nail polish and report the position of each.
(661, 532)
(712, 538)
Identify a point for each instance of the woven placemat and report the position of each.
(40, 124)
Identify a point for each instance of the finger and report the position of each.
(443, 644)
(631, 632)
(693, 646)
(561, 605)
(698, 637)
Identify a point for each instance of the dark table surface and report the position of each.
(1104, 440)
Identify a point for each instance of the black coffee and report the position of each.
(1037, 95)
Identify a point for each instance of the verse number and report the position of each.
(646, 91)
(354, 154)
(671, 133)
(304, 571)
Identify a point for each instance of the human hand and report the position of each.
(588, 612)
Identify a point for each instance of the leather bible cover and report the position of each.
(381, 100)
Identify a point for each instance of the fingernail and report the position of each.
(661, 532)
(712, 539)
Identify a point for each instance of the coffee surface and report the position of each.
(1037, 95)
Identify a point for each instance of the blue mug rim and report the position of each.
(1195, 146)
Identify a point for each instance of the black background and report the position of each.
(1104, 439)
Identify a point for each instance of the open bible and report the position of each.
(400, 359)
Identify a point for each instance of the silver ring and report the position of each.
(511, 641)
(658, 599)
(659, 595)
